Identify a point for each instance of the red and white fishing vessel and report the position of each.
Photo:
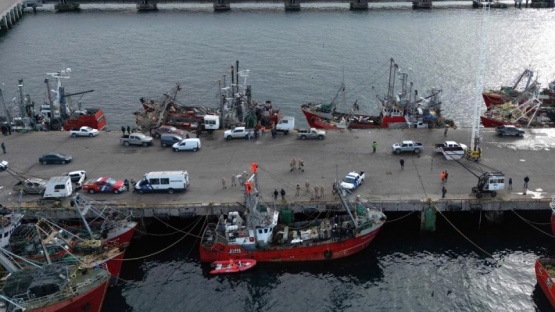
(54, 288)
(402, 110)
(47, 242)
(265, 234)
(232, 266)
(545, 275)
(528, 113)
(57, 113)
(510, 93)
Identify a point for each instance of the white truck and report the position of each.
(83, 132)
(238, 133)
(311, 133)
(353, 180)
(451, 150)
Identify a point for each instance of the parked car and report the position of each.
(167, 129)
(30, 186)
(238, 133)
(192, 144)
(104, 185)
(509, 130)
(83, 132)
(3, 165)
(407, 146)
(55, 158)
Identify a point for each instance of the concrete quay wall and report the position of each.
(413, 188)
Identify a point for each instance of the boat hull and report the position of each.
(122, 235)
(544, 278)
(490, 123)
(316, 252)
(553, 222)
(324, 121)
(94, 119)
(89, 301)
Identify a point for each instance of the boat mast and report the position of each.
(475, 138)
(6, 111)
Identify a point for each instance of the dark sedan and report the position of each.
(55, 158)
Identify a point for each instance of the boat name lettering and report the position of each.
(235, 250)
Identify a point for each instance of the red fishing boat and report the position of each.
(58, 112)
(232, 266)
(510, 93)
(545, 274)
(401, 110)
(530, 113)
(45, 241)
(266, 234)
(55, 288)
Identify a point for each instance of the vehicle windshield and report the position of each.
(349, 179)
(87, 128)
(111, 181)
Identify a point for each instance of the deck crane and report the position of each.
(475, 152)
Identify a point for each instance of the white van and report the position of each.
(163, 181)
(58, 187)
(192, 144)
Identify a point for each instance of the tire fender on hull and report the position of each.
(328, 254)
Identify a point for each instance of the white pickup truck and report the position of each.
(451, 150)
(238, 133)
(311, 133)
(407, 146)
(83, 132)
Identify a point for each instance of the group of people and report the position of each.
(294, 163)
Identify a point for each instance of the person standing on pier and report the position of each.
(123, 130)
(298, 190)
(445, 131)
(374, 146)
(526, 179)
(442, 176)
(307, 185)
(3, 147)
(402, 162)
(233, 180)
(275, 194)
(321, 191)
(316, 191)
(223, 183)
(282, 195)
(443, 192)
(510, 183)
(128, 130)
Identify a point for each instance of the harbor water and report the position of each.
(294, 58)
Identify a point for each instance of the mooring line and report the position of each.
(408, 214)
(530, 224)
(165, 234)
(468, 239)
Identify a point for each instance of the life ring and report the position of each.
(328, 254)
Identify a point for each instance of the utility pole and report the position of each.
(21, 99)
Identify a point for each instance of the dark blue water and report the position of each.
(294, 58)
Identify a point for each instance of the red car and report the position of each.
(104, 185)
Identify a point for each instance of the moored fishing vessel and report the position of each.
(9, 221)
(235, 107)
(530, 113)
(56, 113)
(509, 93)
(46, 242)
(545, 274)
(265, 234)
(403, 110)
(54, 287)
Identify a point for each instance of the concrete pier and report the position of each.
(414, 188)
(10, 12)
